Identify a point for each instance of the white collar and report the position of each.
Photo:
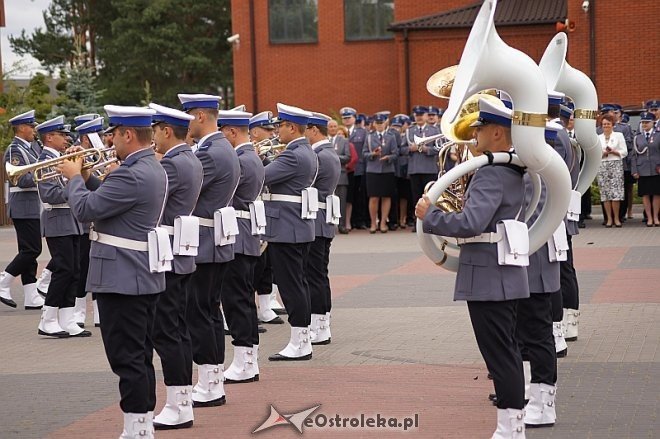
(296, 139)
(241, 145)
(53, 151)
(135, 152)
(319, 143)
(23, 141)
(203, 139)
(173, 148)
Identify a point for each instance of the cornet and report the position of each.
(42, 171)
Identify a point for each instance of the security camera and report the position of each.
(585, 5)
(234, 39)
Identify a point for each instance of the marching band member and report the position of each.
(289, 234)
(170, 333)
(205, 322)
(62, 232)
(261, 128)
(492, 291)
(84, 129)
(319, 251)
(423, 159)
(24, 212)
(124, 208)
(645, 164)
(238, 288)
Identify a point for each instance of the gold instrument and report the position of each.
(43, 171)
(269, 146)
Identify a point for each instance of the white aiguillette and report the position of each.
(310, 203)
(225, 226)
(186, 235)
(258, 217)
(513, 248)
(558, 245)
(160, 252)
(332, 210)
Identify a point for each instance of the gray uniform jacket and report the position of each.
(389, 150)
(398, 171)
(343, 150)
(645, 161)
(249, 188)
(127, 205)
(326, 183)
(24, 201)
(425, 162)
(357, 138)
(184, 176)
(494, 194)
(221, 174)
(56, 221)
(291, 172)
(568, 154)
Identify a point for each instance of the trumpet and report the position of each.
(266, 142)
(42, 171)
(272, 149)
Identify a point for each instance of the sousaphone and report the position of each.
(487, 62)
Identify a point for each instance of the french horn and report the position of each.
(487, 62)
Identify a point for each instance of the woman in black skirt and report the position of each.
(380, 153)
(644, 165)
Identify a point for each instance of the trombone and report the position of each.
(42, 171)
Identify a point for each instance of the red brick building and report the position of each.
(326, 54)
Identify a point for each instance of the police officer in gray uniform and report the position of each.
(357, 136)
(221, 174)
(238, 287)
(491, 290)
(24, 207)
(343, 150)
(170, 334)
(644, 167)
(319, 252)
(62, 232)
(423, 159)
(289, 235)
(381, 154)
(124, 208)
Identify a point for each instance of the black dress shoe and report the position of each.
(32, 307)
(215, 403)
(492, 396)
(581, 225)
(249, 380)
(571, 338)
(280, 311)
(80, 325)
(261, 329)
(489, 376)
(8, 302)
(97, 325)
(324, 342)
(60, 334)
(562, 354)
(343, 230)
(158, 426)
(275, 321)
(82, 334)
(392, 227)
(280, 357)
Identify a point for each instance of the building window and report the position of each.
(293, 21)
(368, 19)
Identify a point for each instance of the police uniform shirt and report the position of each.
(249, 187)
(126, 205)
(326, 183)
(387, 143)
(24, 201)
(184, 176)
(291, 172)
(221, 174)
(56, 218)
(495, 193)
(646, 153)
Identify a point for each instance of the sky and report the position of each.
(19, 15)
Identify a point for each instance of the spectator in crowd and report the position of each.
(610, 174)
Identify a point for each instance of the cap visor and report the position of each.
(109, 129)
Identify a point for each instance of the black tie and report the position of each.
(380, 138)
(648, 137)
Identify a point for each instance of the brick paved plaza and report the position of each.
(400, 347)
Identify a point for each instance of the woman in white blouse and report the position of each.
(610, 174)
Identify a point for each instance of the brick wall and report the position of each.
(370, 75)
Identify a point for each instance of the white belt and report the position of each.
(321, 205)
(56, 206)
(488, 238)
(170, 229)
(243, 214)
(15, 189)
(279, 197)
(116, 241)
(205, 222)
